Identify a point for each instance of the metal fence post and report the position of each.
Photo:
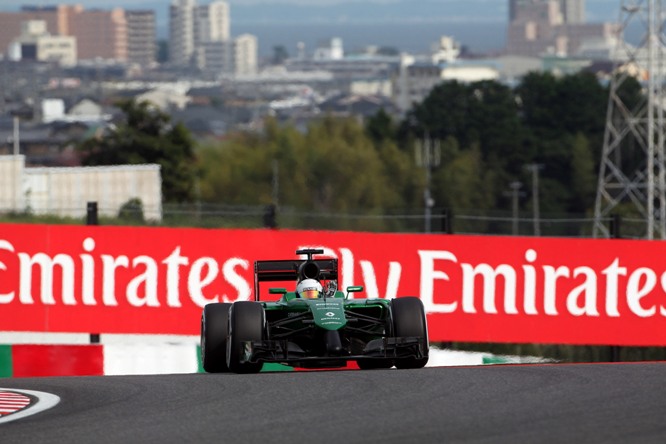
(615, 233)
(92, 219)
(91, 214)
(615, 226)
(447, 221)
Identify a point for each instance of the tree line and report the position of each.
(488, 135)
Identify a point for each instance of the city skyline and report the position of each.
(456, 10)
(409, 25)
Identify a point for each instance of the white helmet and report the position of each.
(309, 289)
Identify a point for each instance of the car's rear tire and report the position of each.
(246, 323)
(409, 320)
(214, 334)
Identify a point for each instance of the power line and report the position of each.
(631, 172)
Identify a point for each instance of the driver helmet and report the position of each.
(309, 289)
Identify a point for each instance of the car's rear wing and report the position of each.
(287, 270)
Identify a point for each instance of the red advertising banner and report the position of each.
(93, 279)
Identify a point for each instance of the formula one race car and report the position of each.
(315, 326)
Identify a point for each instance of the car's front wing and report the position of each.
(283, 351)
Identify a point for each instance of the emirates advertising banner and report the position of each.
(93, 279)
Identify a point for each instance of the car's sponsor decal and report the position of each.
(16, 404)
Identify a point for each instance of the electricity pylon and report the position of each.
(631, 173)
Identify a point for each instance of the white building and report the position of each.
(200, 37)
(416, 79)
(573, 11)
(330, 49)
(216, 57)
(213, 22)
(35, 43)
(214, 52)
(446, 50)
(245, 48)
(181, 32)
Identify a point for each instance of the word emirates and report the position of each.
(444, 284)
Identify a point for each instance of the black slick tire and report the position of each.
(409, 320)
(246, 323)
(214, 334)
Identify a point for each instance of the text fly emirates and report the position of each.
(541, 285)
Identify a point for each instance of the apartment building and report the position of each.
(213, 45)
(181, 32)
(554, 27)
(35, 43)
(212, 22)
(10, 22)
(245, 48)
(573, 11)
(141, 37)
(98, 33)
(200, 37)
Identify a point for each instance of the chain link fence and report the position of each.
(441, 220)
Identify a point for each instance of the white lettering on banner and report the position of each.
(580, 301)
(612, 272)
(429, 274)
(109, 265)
(547, 289)
(489, 275)
(140, 291)
(662, 309)
(195, 283)
(529, 291)
(46, 265)
(236, 280)
(370, 280)
(88, 273)
(589, 289)
(635, 292)
(173, 263)
(551, 275)
(149, 281)
(6, 298)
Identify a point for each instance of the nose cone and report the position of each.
(333, 343)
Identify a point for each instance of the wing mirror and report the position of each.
(353, 289)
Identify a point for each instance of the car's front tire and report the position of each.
(409, 320)
(214, 334)
(246, 323)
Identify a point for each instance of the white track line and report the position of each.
(44, 402)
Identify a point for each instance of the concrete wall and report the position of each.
(66, 191)
(11, 179)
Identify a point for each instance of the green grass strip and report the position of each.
(6, 361)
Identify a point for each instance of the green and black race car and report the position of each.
(315, 326)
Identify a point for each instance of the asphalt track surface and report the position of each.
(509, 403)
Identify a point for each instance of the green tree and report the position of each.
(333, 167)
(147, 136)
(464, 183)
(380, 127)
(483, 113)
(583, 175)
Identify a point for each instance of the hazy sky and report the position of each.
(598, 10)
